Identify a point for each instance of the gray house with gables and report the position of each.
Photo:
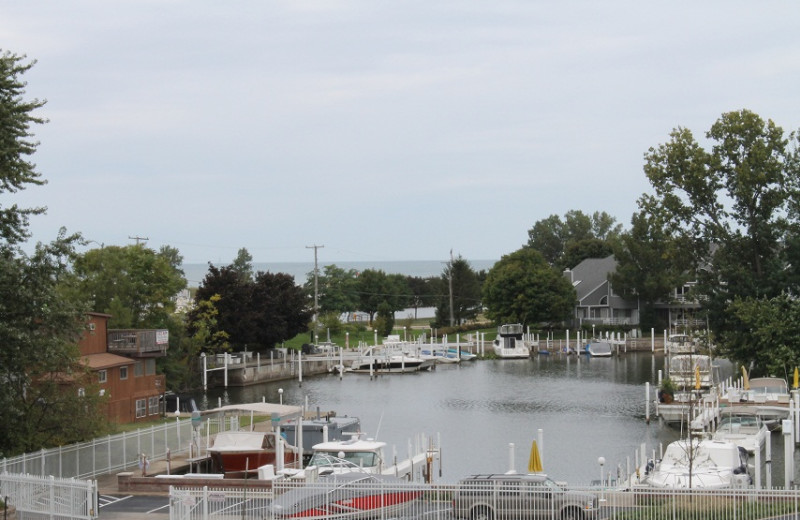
(597, 304)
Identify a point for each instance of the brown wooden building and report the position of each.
(125, 364)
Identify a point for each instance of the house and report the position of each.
(597, 304)
(125, 364)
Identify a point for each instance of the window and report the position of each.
(102, 376)
(138, 369)
(141, 408)
(150, 367)
(123, 373)
(153, 405)
(81, 392)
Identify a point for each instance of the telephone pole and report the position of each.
(316, 287)
(450, 280)
(137, 238)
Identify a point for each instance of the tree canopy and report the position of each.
(565, 243)
(134, 283)
(466, 293)
(523, 288)
(733, 207)
(255, 314)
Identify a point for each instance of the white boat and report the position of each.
(465, 355)
(742, 427)
(699, 464)
(387, 360)
(368, 455)
(439, 355)
(680, 344)
(768, 395)
(688, 371)
(599, 349)
(509, 343)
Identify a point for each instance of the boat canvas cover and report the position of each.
(238, 441)
(274, 410)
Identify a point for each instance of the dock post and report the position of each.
(652, 340)
(226, 369)
(540, 436)
(757, 482)
(647, 402)
(300, 367)
(788, 454)
(205, 371)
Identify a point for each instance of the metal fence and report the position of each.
(50, 497)
(449, 502)
(104, 455)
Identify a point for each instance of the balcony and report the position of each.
(138, 342)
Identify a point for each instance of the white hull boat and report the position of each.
(510, 342)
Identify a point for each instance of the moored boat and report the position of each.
(698, 464)
(510, 342)
(240, 452)
(743, 427)
(599, 349)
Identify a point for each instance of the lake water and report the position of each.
(195, 273)
(586, 407)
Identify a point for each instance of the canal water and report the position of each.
(586, 408)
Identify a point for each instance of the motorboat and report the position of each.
(743, 427)
(769, 396)
(319, 429)
(699, 464)
(691, 371)
(680, 344)
(367, 455)
(242, 452)
(439, 355)
(352, 495)
(465, 355)
(387, 360)
(510, 342)
(599, 349)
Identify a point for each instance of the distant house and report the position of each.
(597, 304)
(124, 362)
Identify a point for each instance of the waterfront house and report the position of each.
(124, 361)
(598, 304)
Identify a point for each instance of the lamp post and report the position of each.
(602, 462)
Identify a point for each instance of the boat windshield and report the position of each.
(364, 459)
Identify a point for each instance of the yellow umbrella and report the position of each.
(697, 377)
(535, 461)
(745, 379)
(796, 378)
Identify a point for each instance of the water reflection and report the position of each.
(586, 407)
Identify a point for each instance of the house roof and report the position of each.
(590, 274)
(105, 360)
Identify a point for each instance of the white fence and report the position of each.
(104, 455)
(437, 502)
(50, 497)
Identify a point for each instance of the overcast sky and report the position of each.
(381, 130)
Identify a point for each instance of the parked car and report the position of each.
(519, 496)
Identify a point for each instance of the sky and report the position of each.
(380, 130)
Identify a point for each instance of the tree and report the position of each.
(578, 234)
(730, 206)
(523, 288)
(376, 287)
(337, 289)
(43, 385)
(135, 284)
(466, 293)
(650, 265)
(243, 265)
(16, 146)
(256, 314)
(425, 292)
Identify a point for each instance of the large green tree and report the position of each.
(43, 385)
(337, 289)
(17, 145)
(134, 283)
(523, 288)
(376, 287)
(731, 206)
(565, 243)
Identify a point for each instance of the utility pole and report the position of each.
(450, 280)
(316, 287)
(137, 238)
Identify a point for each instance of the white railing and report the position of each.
(50, 497)
(104, 455)
(436, 502)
